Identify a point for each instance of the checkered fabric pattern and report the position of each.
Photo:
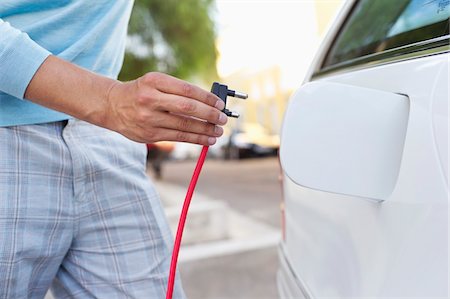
(79, 214)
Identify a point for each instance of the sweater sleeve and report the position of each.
(20, 58)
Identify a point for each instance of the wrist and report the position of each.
(96, 102)
(103, 114)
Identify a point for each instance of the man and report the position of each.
(77, 211)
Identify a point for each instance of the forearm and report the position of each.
(152, 108)
(65, 87)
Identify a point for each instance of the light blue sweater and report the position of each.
(89, 33)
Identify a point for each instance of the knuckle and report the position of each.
(149, 77)
(142, 99)
(150, 97)
(210, 129)
(211, 99)
(184, 124)
(213, 116)
(153, 78)
(182, 136)
(150, 136)
(201, 139)
(142, 116)
(188, 106)
(188, 90)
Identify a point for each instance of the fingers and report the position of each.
(159, 107)
(187, 124)
(180, 136)
(186, 106)
(171, 85)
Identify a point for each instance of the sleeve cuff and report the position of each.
(20, 58)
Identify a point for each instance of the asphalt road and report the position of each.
(250, 186)
(251, 189)
(247, 275)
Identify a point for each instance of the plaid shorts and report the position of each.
(78, 214)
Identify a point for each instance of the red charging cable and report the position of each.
(187, 202)
(222, 92)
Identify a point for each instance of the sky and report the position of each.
(257, 34)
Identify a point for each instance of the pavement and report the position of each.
(233, 227)
(250, 186)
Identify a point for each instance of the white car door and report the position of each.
(340, 241)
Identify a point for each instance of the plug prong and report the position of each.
(240, 95)
(236, 94)
(234, 114)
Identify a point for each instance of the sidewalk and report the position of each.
(225, 254)
(212, 227)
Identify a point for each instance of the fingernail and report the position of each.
(220, 105)
(218, 131)
(211, 140)
(223, 118)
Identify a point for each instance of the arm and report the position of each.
(151, 108)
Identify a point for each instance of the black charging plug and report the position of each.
(223, 92)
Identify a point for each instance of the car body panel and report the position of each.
(288, 283)
(353, 247)
(344, 139)
(439, 110)
(349, 246)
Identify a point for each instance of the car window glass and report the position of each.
(420, 13)
(376, 26)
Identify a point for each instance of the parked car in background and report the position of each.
(250, 140)
(364, 157)
(157, 154)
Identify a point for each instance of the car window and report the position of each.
(375, 26)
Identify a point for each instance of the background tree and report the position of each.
(171, 36)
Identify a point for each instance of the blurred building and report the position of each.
(269, 81)
(325, 12)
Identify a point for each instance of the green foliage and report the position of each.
(172, 36)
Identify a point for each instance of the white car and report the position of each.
(364, 157)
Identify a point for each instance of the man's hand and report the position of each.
(155, 107)
(159, 107)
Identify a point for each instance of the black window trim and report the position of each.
(429, 47)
